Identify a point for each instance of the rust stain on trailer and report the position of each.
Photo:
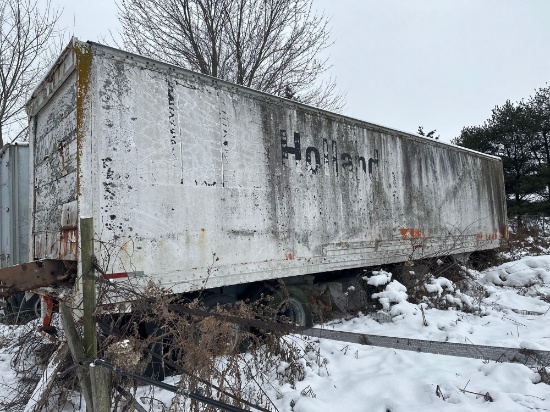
(83, 65)
(68, 235)
(497, 234)
(202, 239)
(410, 233)
(501, 233)
(504, 232)
(68, 240)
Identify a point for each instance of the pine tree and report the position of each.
(520, 135)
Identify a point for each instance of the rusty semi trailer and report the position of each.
(193, 182)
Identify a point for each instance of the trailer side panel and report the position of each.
(197, 183)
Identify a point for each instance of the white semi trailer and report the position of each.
(195, 183)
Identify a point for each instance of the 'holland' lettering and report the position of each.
(349, 163)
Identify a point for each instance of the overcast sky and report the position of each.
(442, 64)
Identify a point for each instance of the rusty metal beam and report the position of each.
(32, 275)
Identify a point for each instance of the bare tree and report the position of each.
(270, 45)
(27, 30)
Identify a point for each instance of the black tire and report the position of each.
(211, 300)
(11, 309)
(289, 302)
(20, 310)
(292, 303)
(30, 308)
(239, 341)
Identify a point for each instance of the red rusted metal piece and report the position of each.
(47, 310)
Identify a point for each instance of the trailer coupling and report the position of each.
(33, 275)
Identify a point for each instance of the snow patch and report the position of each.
(437, 286)
(529, 271)
(395, 292)
(378, 278)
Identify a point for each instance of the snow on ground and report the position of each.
(513, 311)
(363, 378)
(8, 348)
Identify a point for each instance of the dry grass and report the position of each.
(31, 353)
(207, 353)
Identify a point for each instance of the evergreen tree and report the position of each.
(517, 134)
(539, 105)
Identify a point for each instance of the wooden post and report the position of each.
(88, 286)
(100, 388)
(77, 352)
(99, 378)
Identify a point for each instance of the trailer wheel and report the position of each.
(292, 303)
(30, 308)
(289, 302)
(11, 308)
(19, 309)
(237, 342)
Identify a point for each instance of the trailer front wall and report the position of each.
(54, 161)
(54, 174)
(198, 183)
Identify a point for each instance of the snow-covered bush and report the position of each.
(440, 292)
(394, 292)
